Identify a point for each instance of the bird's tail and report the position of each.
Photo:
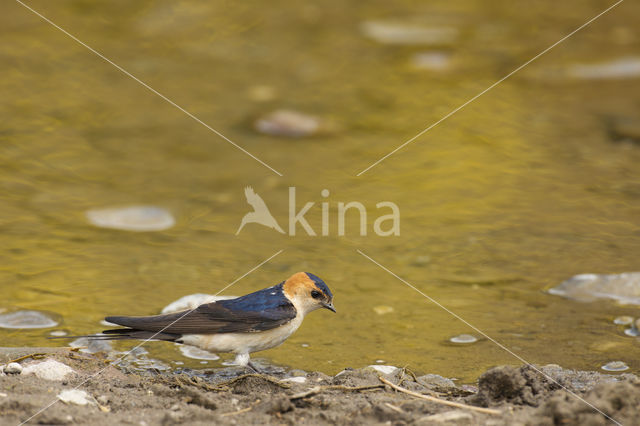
(126, 334)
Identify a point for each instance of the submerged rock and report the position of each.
(288, 123)
(407, 34)
(616, 69)
(91, 346)
(464, 338)
(432, 61)
(625, 287)
(134, 218)
(197, 353)
(615, 366)
(26, 319)
(623, 320)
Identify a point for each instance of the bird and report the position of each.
(255, 322)
(260, 213)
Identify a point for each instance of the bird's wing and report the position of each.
(212, 318)
(255, 200)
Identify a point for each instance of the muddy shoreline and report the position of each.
(103, 394)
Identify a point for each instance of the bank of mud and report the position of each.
(233, 395)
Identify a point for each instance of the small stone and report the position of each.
(91, 346)
(26, 319)
(624, 320)
(12, 368)
(436, 382)
(632, 332)
(3, 395)
(620, 68)
(48, 370)
(287, 123)
(58, 333)
(432, 61)
(384, 369)
(382, 310)
(455, 417)
(174, 407)
(103, 399)
(75, 396)
(407, 34)
(305, 345)
(464, 339)
(133, 218)
(615, 366)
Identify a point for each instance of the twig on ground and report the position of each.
(34, 356)
(440, 401)
(318, 389)
(394, 408)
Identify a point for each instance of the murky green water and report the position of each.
(515, 193)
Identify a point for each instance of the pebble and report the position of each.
(305, 345)
(26, 319)
(435, 381)
(12, 368)
(615, 366)
(624, 320)
(633, 332)
(624, 287)
(48, 370)
(75, 396)
(464, 338)
(382, 310)
(58, 333)
(197, 353)
(133, 218)
(384, 369)
(103, 399)
(432, 61)
(287, 123)
(192, 301)
(406, 34)
(616, 69)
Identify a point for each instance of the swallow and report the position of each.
(251, 323)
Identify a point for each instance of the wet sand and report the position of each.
(283, 396)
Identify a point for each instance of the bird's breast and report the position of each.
(244, 342)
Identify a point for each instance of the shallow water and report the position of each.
(517, 192)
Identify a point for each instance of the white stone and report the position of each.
(75, 396)
(617, 69)
(407, 34)
(192, 301)
(12, 368)
(384, 369)
(133, 218)
(48, 370)
(26, 319)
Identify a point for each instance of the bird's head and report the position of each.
(308, 292)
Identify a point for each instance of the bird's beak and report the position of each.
(329, 306)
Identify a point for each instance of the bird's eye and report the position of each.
(315, 294)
